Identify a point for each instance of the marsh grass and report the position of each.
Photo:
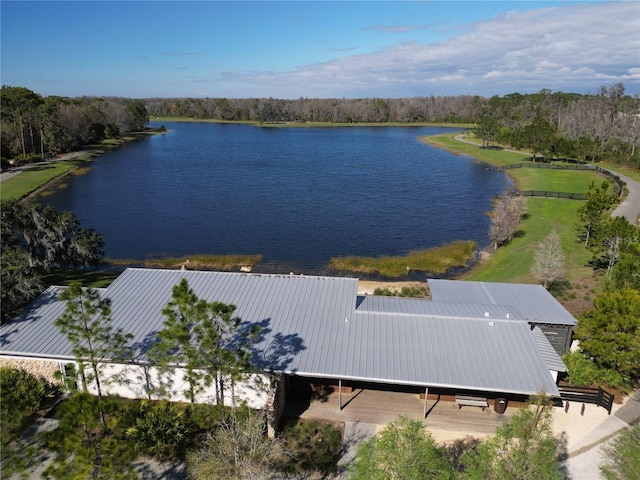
(205, 262)
(434, 260)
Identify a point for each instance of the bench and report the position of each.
(470, 401)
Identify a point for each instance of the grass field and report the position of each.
(572, 181)
(30, 180)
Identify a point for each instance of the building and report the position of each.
(474, 339)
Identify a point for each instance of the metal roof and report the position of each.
(532, 302)
(312, 326)
(549, 354)
(417, 306)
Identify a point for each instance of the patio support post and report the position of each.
(426, 396)
(340, 395)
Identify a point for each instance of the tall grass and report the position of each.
(435, 260)
(205, 262)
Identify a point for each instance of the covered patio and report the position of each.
(444, 419)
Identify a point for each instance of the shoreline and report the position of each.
(311, 124)
(86, 155)
(368, 286)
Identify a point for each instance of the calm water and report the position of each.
(298, 196)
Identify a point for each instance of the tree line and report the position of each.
(599, 126)
(35, 127)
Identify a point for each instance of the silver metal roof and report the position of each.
(417, 306)
(311, 326)
(532, 302)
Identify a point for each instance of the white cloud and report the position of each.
(572, 48)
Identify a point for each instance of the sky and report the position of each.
(318, 49)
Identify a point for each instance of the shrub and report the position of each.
(160, 430)
(237, 448)
(585, 372)
(412, 292)
(21, 394)
(404, 449)
(26, 159)
(82, 446)
(313, 446)
(623, 455)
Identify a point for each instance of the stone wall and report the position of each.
(275, 405)
(38, 368)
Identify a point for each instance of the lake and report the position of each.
(298, 196)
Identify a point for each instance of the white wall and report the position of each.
(138, 381)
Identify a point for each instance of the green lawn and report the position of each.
(512, 262)
(30, 180)
(572, 181)
(499, 158)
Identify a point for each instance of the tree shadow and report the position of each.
(141, 347)
(272, 351)
(459, 448)
(29, 315)
(562, 454)
(152, 469)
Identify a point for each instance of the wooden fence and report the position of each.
(552, 166)
(596, 396)
(547, 194)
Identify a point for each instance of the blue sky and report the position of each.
(320, 49)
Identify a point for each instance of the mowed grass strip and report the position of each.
(570, 181)
(32, 179)
(436, 260)
(495, 157)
